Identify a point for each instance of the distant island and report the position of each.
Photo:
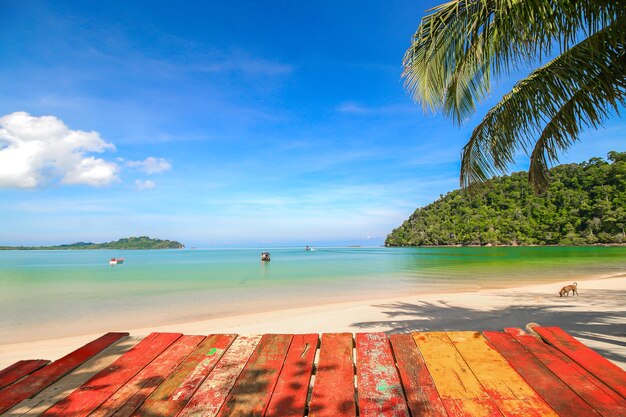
(141, 242)
(585, 204)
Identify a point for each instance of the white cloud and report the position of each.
(91, 171)
(35, 150)
(141, 185)
(151, 165)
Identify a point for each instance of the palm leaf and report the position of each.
(588, 107)
(461, 44)
(578, 87)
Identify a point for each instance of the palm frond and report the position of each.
(579, 87)
(462, 44)
(590, 106)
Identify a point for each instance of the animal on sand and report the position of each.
(566, 289)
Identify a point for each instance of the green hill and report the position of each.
(584, 204)
(141, 242)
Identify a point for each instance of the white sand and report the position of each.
(597, 317)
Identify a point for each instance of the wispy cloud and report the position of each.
(84, 206)
(192, 61)
(150, 165)
(141, 185)
(351, 107)
(243, 64)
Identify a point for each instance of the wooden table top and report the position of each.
(507, 373)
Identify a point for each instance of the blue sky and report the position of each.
(221, 123)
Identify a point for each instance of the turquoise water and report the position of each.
(60, 293)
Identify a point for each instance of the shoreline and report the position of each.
(172, 316)
(343, 301)
(595, 316)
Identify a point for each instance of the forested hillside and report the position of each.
(141, 242)
(584, 204)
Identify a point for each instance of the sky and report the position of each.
(223, 123)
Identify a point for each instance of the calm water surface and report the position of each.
(60, 293)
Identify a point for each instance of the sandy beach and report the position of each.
(597, 317)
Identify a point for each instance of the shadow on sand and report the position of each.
(595, 315)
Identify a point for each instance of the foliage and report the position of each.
(584, 204)
(461, 45)
(142, 242)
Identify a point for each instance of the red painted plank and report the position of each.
(210, 396)
(101, 386)
(575, 366)
(19, 370)
(333, 390)
(586, 373)
(554, 391)
(605, 370)
(176, 391)
(380, 391)
(130, 396)
(290, 393)
(251, 393)
(578, 382)
(37, 381)
(422, 396)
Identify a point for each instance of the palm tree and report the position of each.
(460, 46)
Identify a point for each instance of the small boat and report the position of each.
(308, 248)
(115, 261)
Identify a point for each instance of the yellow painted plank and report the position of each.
(525, 408)
(492, 369)
(471, 407)
(452, 376)
(509, 391)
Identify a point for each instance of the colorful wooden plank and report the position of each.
(379, 388)
(177, 389)
(578, 382)
(471, 407)
(129, 397)
(587, 375)
(422, 397)
(603, 369)
(19, 370)
(508, 390)
(101, 386)
(175, 392)
(290, 393)
(37, 381)
(333, 391)
(36, 405)
(251, 393)
(574, 365)
(210, 396)
(461, 393)
(554, 391)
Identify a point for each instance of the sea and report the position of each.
(47, 294)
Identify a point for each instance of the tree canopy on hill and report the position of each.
(141, 242)
(584, 204)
